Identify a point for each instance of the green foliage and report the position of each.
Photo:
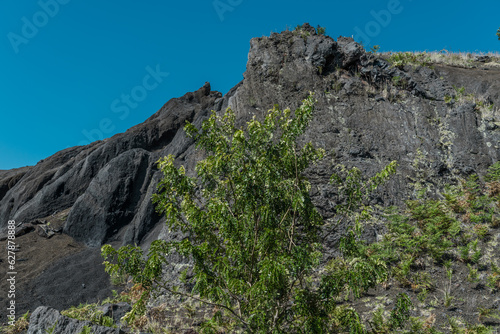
(487, 313)
(436, 228)
(493, 174)
(498, 34)
(473, 276)
(301, 32)
(459, 327)
(51, 330)
(249, 253)
(399, 82)
(374, 49)
(428, 228)
(400, 59)
(253, 233)
(417, 326)
(118, 280)
(20, 326)
(86, 330)
(494, 277)
(398, 317)
(460, 97)
(321, 30)
(89, 312)
(401, 312)
(117, 298)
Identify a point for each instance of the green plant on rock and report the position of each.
(460, 326)
(470, 253)
(51, 329)
(460, 97)
(492, 179)
(89, 312)
(400, 59)
(398, 316)
(374, 49)
(86, 330)
(302, 32)
(447, 297)
(473, 276)
(485, 313)
(321, 30)
(494, 277)
(253, 233)
(20, 326)
(493, 174)
(399, 82)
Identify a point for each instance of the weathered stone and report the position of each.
(45, 231)
(115, 311)
(48, 320)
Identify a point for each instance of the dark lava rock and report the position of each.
(115, 311)
(48, 320)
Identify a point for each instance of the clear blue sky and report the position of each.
(71, 70)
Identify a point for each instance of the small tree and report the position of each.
(253, 233)
(498, 33)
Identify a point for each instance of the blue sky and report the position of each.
(72, 71)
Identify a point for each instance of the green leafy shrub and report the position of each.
(427, 229)
(253, 233)
(460, 97)
(494, 277)
(20, 326)
(321, 30)
(400, 59)
(374, 49)
(89, 312)
(399, 82)
(398, 316)
(492, 179)
(493, 173)
(86, 330)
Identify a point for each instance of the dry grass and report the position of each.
(459, 59)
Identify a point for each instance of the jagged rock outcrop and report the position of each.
(368, 114)
(73, 175)
(48, 320)
(105, 191)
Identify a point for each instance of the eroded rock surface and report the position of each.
(48, 320)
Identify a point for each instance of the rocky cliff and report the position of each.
(368, 114)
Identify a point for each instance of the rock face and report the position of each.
(104, 183)
(45, 319)
(368, 114)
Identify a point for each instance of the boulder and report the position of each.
(48, 320)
